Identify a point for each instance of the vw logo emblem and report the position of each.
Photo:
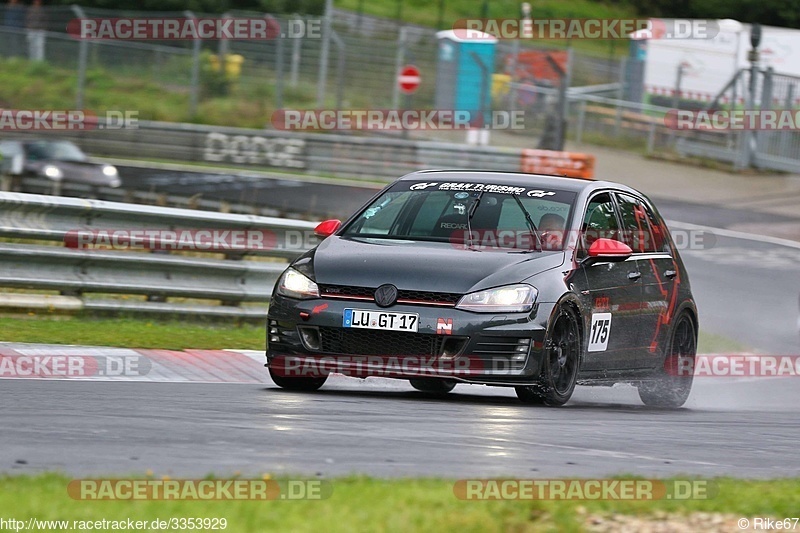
(386, 295)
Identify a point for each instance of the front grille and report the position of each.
(424, 297)
(403, 296)
(346, 291)
(354, 341)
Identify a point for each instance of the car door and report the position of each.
(646, 234)
(613, 293)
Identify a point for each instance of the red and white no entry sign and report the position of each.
(409, 79)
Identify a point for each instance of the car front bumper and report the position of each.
(307, 338)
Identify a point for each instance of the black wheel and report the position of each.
(560, 365)
(667, 389)
(298, 384)
(433, 385)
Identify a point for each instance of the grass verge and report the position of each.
(181, 335)
(133, 332)
(368, 504)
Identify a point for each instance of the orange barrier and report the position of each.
(532, 66)
(569, 164)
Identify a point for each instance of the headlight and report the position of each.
(509, 299)
(295, 285)
(109, 170)
(52, 172)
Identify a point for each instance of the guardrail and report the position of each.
(351, 156)
(160, 279)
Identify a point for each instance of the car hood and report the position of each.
(419, 265)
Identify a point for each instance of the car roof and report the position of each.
(516, 179)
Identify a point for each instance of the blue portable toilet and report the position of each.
(464, 71)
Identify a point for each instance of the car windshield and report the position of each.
(478, 215)
(54, 150)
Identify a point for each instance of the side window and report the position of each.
(599, 221)
(636, 231)
(659, 231)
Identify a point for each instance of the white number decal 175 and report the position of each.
(599, 332)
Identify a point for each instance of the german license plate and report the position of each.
(362, 318)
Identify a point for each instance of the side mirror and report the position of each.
(327, 228)
(603, 250)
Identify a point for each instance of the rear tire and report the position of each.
(561, 360)
(433, 385)
(297, 384)
(666, 389)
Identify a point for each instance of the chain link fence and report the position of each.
(758, 90)
(272, 74)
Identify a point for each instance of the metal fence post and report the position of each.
(749, 149)
(785, 143)
(340, 66)
(398, 64)
(322, 76)
(222, 49)
(278, 65)
(622, 78)
(761, 138)
(83, 51)
(194, 88)
(563, 104)
(676, 96)
(525, 8)
(581, 119)
(296, 43)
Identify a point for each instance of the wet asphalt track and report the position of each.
(385, 428)
(745, 290)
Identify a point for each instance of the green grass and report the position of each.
(132, 332)
(368, 504)
(171, 334)
(711, 343)
(29, 85)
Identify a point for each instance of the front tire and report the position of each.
(297, 384)
(561, 360)
(433, 385)
(667, 389)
